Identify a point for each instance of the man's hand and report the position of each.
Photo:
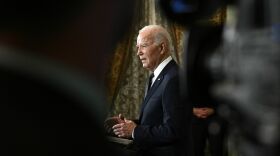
(124, 129)
(110, 122)
(203, 112)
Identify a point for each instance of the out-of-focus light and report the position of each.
(275, 32)
(180, 6)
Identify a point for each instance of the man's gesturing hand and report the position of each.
(125, 129)
(110, 122)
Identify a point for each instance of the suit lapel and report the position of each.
(155, 85)
(150, 93)
(153, 88)
(159, 79)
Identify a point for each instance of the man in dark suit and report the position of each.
(208, 127)
(160, 128)
(51, 65)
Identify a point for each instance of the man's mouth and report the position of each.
(142, 59)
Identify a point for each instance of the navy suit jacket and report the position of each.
(162, 113)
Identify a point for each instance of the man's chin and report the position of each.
(146, 67)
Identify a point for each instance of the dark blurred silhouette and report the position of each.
(249, 63)
(190, 12)
(203, 39)
(242, 75)
(52, 64)
(208, 127)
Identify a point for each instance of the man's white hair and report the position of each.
(161, 35)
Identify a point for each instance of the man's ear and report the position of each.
(162, 48)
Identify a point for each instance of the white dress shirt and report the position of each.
(159, 68)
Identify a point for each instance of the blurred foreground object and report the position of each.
(244, 73)
(52, 64)
(204, 23)
(247, 69)
(190, 12)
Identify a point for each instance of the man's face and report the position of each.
(148, 51)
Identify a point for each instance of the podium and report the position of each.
(121, 145)
(119, 141)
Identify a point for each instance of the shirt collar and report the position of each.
(160, 67)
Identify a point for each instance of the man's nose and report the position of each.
(139, 52)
